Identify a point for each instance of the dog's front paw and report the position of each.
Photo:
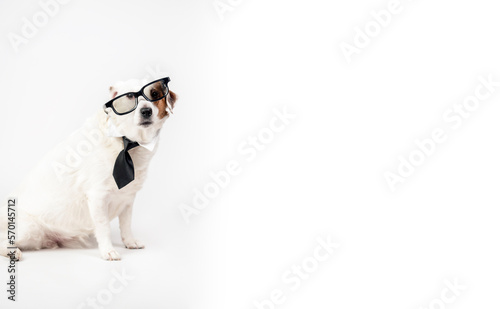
(111, 255)
(18, 255)
(8, 253)
(15, 255)
(133, 244)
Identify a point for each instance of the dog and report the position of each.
(74, 192)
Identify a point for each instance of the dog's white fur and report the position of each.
(65, 199)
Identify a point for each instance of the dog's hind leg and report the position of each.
(28, 234)
(4, 241)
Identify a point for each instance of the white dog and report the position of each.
(75, 190)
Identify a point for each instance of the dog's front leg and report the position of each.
(126, 229)
(99, 212)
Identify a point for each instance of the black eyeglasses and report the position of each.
(127, 102)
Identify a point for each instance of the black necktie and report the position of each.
(124, 166)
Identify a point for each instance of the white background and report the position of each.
(322, 176)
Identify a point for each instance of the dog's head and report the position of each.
(144, 123)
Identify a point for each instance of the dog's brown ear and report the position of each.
(172, 98)
(113, 92)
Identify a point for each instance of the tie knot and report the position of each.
(128, 144)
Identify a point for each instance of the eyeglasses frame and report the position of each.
(137, 94)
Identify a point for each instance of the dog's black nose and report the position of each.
(146, 112)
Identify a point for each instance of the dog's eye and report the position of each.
(155, 94)
(130, 96)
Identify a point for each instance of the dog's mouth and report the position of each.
(146, 123)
